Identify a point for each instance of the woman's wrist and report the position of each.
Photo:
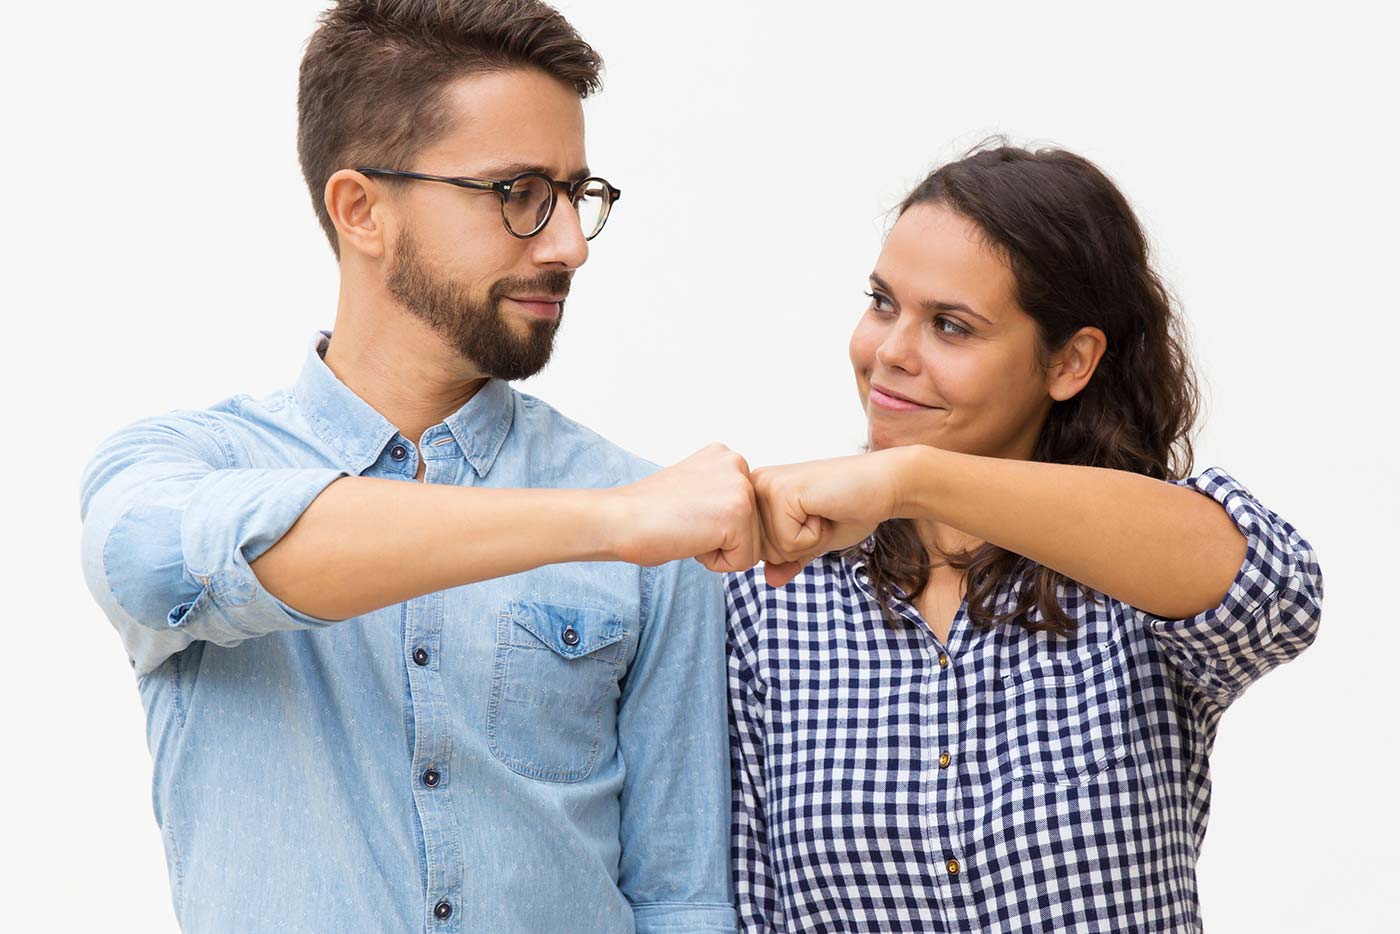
(914, 469)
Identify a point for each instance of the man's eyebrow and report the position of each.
(933, 305)
(504, 170)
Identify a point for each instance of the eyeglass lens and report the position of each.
(526, 206)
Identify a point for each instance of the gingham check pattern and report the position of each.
(1030, 783)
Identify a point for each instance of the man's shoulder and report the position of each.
(571, 442)
(215, 429)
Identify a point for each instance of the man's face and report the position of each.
(498, 300)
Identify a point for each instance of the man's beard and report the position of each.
(477, 329)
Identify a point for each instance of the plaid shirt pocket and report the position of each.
(1066, 718)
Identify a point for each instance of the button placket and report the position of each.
(946, 809)
(432, 750)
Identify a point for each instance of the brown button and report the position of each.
(944, 761)
(942, 661)
(953, 867)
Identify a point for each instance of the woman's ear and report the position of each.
(1074, 363)
(351, 202)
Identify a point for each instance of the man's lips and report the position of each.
(894, 402)
(539, 306)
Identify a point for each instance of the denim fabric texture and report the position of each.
(540, 752)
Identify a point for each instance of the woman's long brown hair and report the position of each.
(1080, 259)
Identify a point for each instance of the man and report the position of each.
(479, 702)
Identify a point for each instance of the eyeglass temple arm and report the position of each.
(477, 184)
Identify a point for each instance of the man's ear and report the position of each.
(1073, 364)
(354, 204)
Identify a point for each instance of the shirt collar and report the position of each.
(481, 425)
(358, 434)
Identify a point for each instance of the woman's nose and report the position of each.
(899, 349)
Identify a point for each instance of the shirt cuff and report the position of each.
(676, 918)
(1271, 610)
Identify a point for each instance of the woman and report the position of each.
(994, 713)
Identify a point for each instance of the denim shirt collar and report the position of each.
(358, 434)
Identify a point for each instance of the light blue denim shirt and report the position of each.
(544, 752)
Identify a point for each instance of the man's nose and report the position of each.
(561, 243)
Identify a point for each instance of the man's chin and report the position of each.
(525, 332)
(517, 366)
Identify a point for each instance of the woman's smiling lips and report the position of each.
(894, 402)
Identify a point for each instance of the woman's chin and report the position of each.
(881, 440)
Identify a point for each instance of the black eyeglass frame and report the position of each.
(503, 188)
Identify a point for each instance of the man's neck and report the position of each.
(402, 368)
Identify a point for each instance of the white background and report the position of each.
(160, 252)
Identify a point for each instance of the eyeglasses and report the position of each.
(527, 201)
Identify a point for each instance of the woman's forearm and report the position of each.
(1161, 548)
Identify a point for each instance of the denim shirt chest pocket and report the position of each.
(1066, 717)
(554, 687)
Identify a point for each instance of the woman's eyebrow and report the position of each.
(933, 305)
(936, 305)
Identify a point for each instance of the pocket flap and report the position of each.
(1065, 665)
(570, 631)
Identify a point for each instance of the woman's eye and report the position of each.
(878, 301)
(950, 327)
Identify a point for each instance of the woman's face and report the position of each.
(943, 355)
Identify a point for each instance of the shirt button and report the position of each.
(420, 656)
(431, 778)
(953, 867)
(442, 910)
(571, 636)
(942, 661)
(944, 761)
(398, 452)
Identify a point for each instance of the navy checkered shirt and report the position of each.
(1007, 781)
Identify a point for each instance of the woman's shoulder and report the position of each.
(762, 619)
(752, 604)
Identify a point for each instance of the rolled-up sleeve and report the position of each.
(671, 733)
(1270, 613)
(170, 528)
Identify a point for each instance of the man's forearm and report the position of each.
(367, 543)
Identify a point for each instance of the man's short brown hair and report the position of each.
(374, 71)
